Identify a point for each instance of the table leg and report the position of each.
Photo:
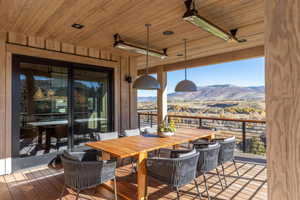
(141, 176)
(40, 136)
(105, 156)
(176, 146)
(211, 137)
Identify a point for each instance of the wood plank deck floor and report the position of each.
(46, 184)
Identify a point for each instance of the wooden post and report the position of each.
(162, 105)
(282, 55)
(5, 146)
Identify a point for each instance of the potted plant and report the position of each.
(167, 130)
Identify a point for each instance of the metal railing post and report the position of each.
(182, 121)
(139, 120)
(244, 136)
(200, 123)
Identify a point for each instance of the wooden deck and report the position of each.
(44, 183)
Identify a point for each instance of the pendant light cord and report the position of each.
(185, 58)
(147, 55)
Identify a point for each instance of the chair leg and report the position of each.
(206, 187)
(146, 188)
(63, 191)
(77, 195)
(197, 187)
(219, 178)
(224, 174)
(115, 188)
(178, 194)
(133, 170)
(236, 169)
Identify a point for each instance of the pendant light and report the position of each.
(185, 85)
(38, 95)
(146, 82)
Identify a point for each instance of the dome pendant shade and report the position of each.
(146, 82)
(186, 86)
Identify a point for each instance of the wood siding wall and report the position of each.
(283, 98)
(125, 96)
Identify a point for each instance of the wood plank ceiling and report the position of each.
(52, 19)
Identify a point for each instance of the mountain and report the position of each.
(216, 92)
(146, 99)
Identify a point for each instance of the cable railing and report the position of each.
(250, 134)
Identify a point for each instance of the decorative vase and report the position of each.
(166, 134)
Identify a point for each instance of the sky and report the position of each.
(250, 72)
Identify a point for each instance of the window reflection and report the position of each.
(45, 105)
(90, 105)
(44, 113)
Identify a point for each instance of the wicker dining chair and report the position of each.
(132, 132)
(208, 161)
(226, 154)
(82, 170)
(106, 136)
(129, 133)
(150, 130)
(175, 172)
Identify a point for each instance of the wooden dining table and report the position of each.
(139, 146)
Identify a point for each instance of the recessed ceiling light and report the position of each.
(168, 33)
(77, 26)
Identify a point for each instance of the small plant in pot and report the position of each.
(167, 130)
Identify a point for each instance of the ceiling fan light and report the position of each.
(186, 86)
(146, 82)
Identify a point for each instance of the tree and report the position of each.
(257, 146)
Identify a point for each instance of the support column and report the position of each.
(5, 131)
(282, 54)
(162, 105)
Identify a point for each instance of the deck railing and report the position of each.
(244, 130)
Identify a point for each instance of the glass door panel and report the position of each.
(43, 109)
(56, 106)
(90, 105)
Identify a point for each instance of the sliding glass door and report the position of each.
(90, 97)
(57, 106)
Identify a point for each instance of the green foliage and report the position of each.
(257, 146)
(164, 127)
